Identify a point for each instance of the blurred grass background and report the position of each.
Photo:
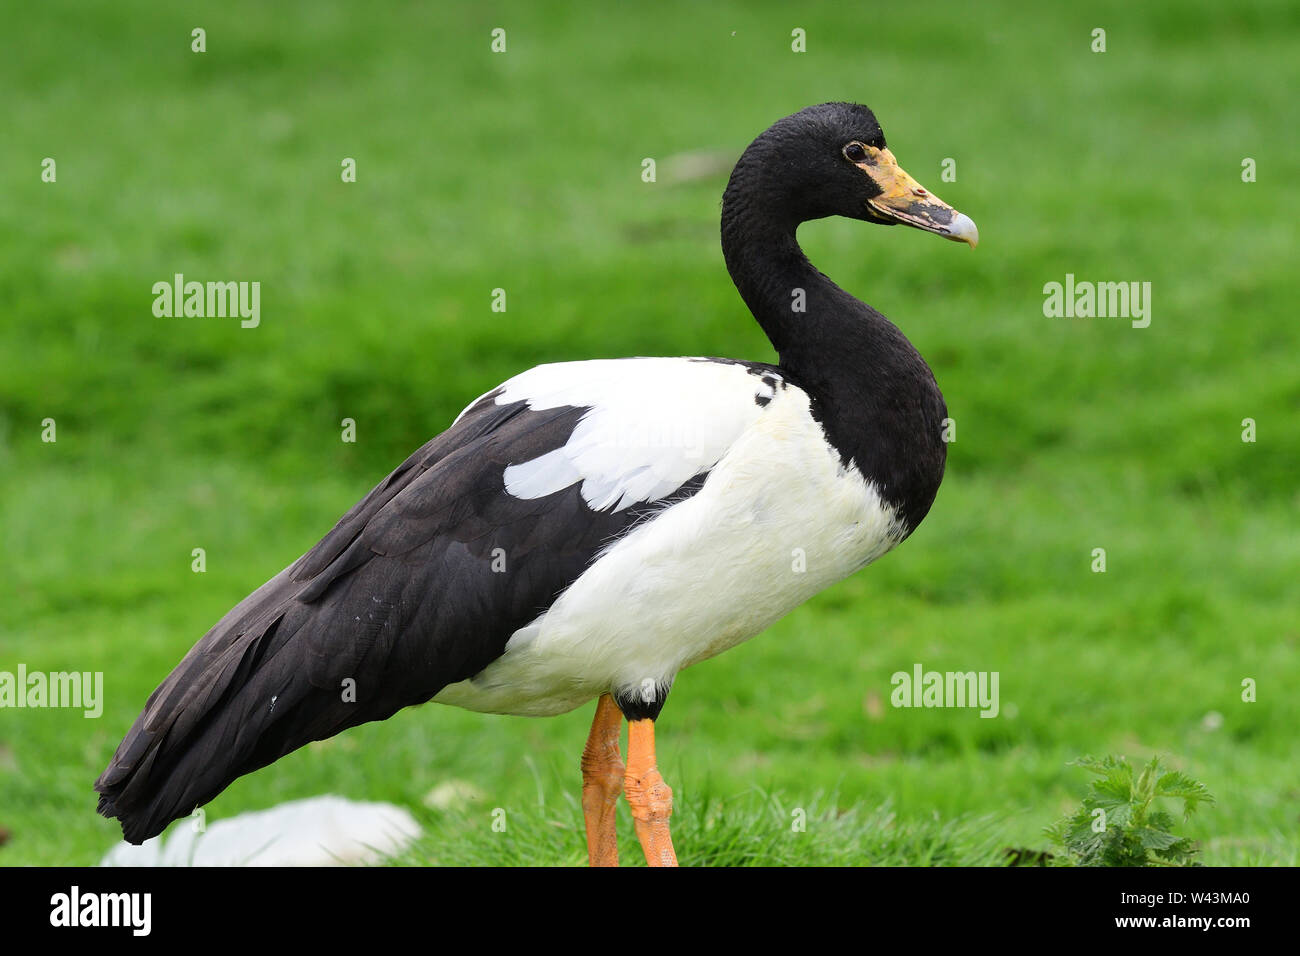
(522, 170)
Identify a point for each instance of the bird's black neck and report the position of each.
(872, 392)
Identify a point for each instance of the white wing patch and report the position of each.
(652, 425)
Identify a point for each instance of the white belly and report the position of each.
(776, 521)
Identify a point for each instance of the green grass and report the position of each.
(522, 171)
(744, 828)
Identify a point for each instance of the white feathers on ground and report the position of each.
(318, 831)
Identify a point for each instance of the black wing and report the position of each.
(399, 600)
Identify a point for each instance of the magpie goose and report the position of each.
(589, 529)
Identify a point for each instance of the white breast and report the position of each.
(777, 520)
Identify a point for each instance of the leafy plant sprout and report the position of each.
(1119, 822)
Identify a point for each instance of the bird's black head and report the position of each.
(831, 160)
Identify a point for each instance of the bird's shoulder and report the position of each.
(646, 426)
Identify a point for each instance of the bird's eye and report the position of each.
(855, 153)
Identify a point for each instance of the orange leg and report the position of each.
(647, 794)
(602, 779)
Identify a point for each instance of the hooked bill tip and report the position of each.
(963, 229)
